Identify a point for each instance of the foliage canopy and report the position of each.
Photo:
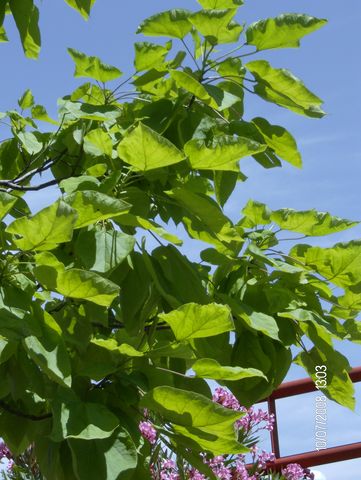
(94, 325)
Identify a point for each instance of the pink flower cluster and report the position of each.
(252, 418)
(148, 431)
(4, 451)
(294, 471)
(226, 467)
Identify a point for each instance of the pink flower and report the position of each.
(227, 399)
(4, 451)
(293, 471)
(148, 431)
(265, 457)
(194, 474)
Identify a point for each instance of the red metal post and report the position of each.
(274, 433)
(321, 457)
(308, 459)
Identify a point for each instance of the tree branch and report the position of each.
(13, 411)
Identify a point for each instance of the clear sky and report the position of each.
(328, 62)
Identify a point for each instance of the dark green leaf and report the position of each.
(26, 16)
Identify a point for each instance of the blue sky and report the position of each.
(328, 62)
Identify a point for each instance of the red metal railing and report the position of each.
(308, 459)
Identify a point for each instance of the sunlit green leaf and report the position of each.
(280, 140)
(172, 23)
(340, 264)
(82, 6)
(93, 67)
(217, 25)
(38, 112)
(282, 31)
(98, 142)
(208, 424)
(218, 4)
(222, 154)
(145, 149)
(7, 201)
(197, 321)
(46, 229)
(92, 207)
(339, 385)
(280, 86)
(150, 55)
(193, 86)
(74, 283)
(210, 368)
(26, 100)
(310, 222)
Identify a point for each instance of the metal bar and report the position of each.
(306, 385)
(308, 459)
(274, 433)
(321, 457)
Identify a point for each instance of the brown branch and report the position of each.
(18, 413)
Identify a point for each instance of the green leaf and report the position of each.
(88, 421)
(3, 36)
(7, 201)
(256, 213)
(38, 112)
(145, 149)
(94, 206)
(46, 229)
(339, 385)
(353, 329)
(219, 4)
(31, 141)
(103, 250)
(111, 458)
(282, 31)
(209, 368)
(26, 16)
(93, 67)
(310, 222)
(82, 6)
(74, 283)
(26, 100)
(48, 351)
(189, 83)
(224, 185)
(150, 55)
(340, 264)
(196, 417)
(222, 154)
(172, 23)
(98, 142)
(280, 140)
(217, 25)
(280, 86)
(136, 221)
(198, 321)
(112, 345)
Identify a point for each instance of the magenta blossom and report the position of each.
(226, 399)
(293, 471)
(148, 432)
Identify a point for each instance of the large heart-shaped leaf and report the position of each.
(282, 31)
